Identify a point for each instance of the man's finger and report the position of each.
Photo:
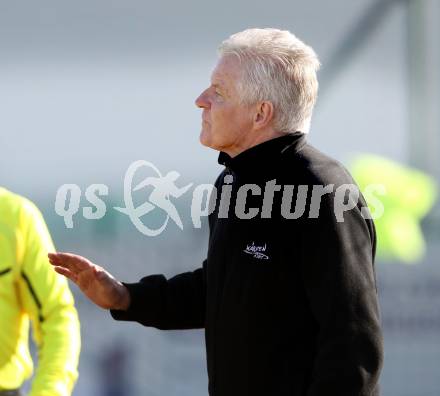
(57, 260)
(68, 274)
(71, 261)
(53, 258)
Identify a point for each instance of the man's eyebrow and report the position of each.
(220, 86)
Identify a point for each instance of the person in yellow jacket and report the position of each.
(30, 291)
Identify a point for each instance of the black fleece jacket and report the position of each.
(289, 305)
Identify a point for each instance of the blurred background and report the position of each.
(88, 87)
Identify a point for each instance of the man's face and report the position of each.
(225, 122)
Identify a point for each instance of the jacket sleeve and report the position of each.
(47, 299)
(167, 304)
(340, 284)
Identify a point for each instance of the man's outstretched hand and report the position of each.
(95, 282)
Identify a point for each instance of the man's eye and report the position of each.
(218, 93)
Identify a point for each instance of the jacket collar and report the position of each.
(263, 154)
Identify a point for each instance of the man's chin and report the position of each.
(205, 140)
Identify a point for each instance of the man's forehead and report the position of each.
(218, 82)
(218, 77)
(224, 72)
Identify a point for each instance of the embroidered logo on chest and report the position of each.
(257, 251)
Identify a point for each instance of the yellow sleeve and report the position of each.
(47, 299)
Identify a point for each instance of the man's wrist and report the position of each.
(124, 298)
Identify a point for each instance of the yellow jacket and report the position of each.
(31, 289)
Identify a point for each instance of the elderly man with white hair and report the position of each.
(287, 298)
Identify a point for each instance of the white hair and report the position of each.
(277, 67)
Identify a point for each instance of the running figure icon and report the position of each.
(164, 187)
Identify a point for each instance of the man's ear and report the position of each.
(263, 115)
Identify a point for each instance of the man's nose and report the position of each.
(202, 101)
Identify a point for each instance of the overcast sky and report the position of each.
(87, 87)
